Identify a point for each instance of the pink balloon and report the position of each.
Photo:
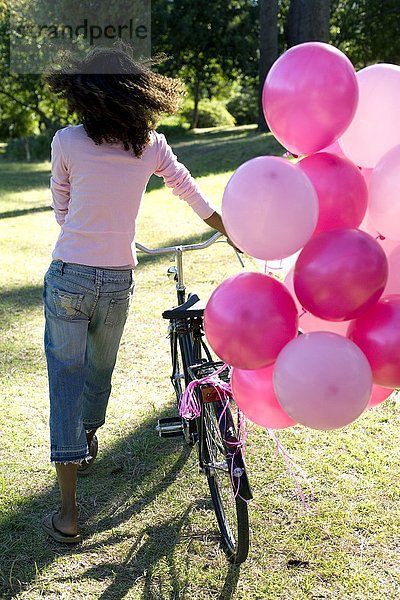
(379, 395)
(334, 149)
(377, 333)
(269, 208)
(309, 322)
(341, 190)
(310, 96)
(322, 381)
(384, 193)
(366, 173)
(393, 282)
(392, 250)
(248, 319)
(375, 128)
(340, 274)
(386, 244)
(254, 394)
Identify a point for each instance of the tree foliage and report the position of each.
(222, 50)
(367, 30)
(207, 47)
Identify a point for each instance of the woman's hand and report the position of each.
(215, 221)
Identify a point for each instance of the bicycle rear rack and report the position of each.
(206, 369)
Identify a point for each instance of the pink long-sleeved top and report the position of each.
(97, 191)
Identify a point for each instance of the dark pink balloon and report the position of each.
(379, 395)
(377, 333)
(309, 322)
(341, 190)
(248, 319)
(340, 274)
(254, 394)
(310, 97)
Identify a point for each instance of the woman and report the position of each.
(100, 170)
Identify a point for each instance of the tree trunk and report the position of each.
(195, 116)
(308, 21)
(27, 150)
(268, 49)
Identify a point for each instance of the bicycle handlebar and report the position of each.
(179, 248)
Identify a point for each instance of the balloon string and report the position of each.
(292, 467)
(237, 444)
(190, 408)
(189, 404)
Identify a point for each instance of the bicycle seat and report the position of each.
(193, 307)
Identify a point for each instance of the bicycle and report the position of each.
(213, 430)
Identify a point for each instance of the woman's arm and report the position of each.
(215, 221)
(178, 177)
(59, 181)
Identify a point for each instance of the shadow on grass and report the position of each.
(21, 177)
(18, 300)
(128, 478)
(24, 211)
(221, 151)
(154, 544)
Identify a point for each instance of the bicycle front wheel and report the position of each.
(224, 467)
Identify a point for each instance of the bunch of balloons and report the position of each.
(338, 208)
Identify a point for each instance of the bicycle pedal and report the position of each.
(170, 427)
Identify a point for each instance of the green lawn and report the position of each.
(147, 525)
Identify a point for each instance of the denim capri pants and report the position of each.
(85, 312)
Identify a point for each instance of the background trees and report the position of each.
(223, 55)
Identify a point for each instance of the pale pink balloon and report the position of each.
(341, 190)
(269, 208)
(310, 96)
(322, 381)
(309, 322)
(280, 267)
(393, 282)
(334, 149)
(375, 128)
(379, 395)
(366, 173)
(377, 333)
(254, 394)
(384, 194)
(248, 320)
(386, 244)
(340, 274)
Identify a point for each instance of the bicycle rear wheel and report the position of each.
(225, 470)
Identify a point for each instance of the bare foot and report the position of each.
(66, 524)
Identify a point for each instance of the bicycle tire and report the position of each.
(230, 508)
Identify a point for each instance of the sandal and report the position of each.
(86, 465)
(57, 535)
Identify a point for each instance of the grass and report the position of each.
(147, 525)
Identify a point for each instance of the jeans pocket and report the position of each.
(117, 311)
(67, 305)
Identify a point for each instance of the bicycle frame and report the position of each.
(212, 429)
(186, 341)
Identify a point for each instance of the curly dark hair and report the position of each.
(118, 98)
